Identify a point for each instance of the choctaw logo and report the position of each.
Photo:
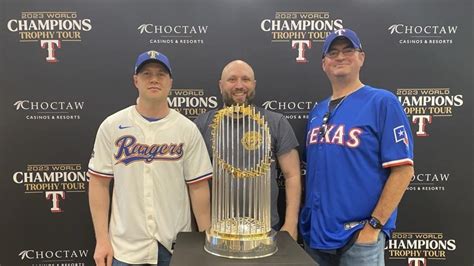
(49, 110)
(429, 182)
(423, 105)
(50, 29)
(300, 29)
(293, 110)
(59, 257)
(423, 34)
(174, 34)
(251, 140)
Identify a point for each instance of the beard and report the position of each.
(228, 100)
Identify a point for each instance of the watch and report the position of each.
(375, 223)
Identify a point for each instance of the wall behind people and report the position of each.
(65, 66)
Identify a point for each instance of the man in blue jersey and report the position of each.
(359, 152)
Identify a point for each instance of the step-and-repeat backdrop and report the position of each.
(66, 65)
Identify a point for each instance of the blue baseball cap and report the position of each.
(341, 33)
(152, 56)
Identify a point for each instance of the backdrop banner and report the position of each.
(67, 65)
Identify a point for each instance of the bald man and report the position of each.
(237, 86)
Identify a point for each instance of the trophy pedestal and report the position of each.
(248, 246)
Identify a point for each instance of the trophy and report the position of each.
(241, 221)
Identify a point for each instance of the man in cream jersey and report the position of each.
(155, 156)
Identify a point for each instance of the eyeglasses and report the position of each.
(349, 51)
(324, 125)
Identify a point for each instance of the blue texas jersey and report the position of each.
(349, 162)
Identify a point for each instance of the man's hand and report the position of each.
(368, 235)
(103, 254)
(292, 230)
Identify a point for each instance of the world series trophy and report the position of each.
(241, 221)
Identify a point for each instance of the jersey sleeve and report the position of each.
(396, 138)
(100, 163)
(285, 137)
(197, 165)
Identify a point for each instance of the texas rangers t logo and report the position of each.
(339, 32)
(153, 54)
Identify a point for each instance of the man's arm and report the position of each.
(392, 193)
(200, 201)
(99, 204)
(290, 166)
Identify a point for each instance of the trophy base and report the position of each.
(241, 247)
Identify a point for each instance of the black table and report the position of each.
(189, 250)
